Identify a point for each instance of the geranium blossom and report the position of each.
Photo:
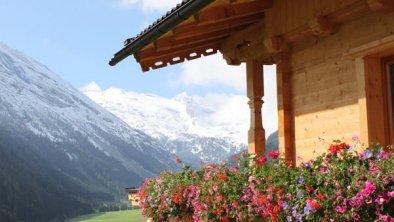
(273, 154)
(339, 186)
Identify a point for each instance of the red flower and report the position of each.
(234, 157)
(261, 160)
(222, 177)
(224, 219)
(334, 148)
(211, 165)
(309, 189)
(273, 154)
(176, 198)
(320, 196)
(178, 160)
(261, 199)
(235, 204)
(313, 203)
(344, 146)
(276, 208)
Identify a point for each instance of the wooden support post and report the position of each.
(376, 101)
(285, 111)
(255, 92)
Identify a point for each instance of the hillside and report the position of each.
(62, 154)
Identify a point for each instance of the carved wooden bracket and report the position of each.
(231, 58)
(250, 44)
(275, 45)
(320, 26)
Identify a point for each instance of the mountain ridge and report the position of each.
(67, 154)
(189, 126)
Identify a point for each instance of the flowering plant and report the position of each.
(166, 195)
(341, 185)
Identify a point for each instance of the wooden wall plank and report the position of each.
(327, 92)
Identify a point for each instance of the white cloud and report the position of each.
(270, 106)
(211, 71)
(149, 5)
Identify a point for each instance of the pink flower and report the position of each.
(323, 169)
(355, 138)
(215, 187)
(340, 209)
(380, 200)
(368, 200)
(383, 155)
(273, 154)
(356, 217)
(368, 189)
(355, 202)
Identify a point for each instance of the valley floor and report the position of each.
(117, 216)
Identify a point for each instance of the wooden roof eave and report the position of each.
(209, 30)
(183, 11)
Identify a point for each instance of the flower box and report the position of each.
(341, 185)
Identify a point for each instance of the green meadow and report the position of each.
(116, 216)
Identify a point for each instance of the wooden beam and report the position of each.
(362, 99)
(236, 21)
(285, 110)
(211, 31)
(375, 86)
(381, 5)
(379, 48)
(174, 41)
(255, 92)
(326, 25)
(240, 8)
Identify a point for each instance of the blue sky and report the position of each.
(76, 39)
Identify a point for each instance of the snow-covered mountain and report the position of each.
(211, 128)
(50, 130)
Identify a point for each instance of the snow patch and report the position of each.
(91, 87)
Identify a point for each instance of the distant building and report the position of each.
(133, 197)
(334, 58)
